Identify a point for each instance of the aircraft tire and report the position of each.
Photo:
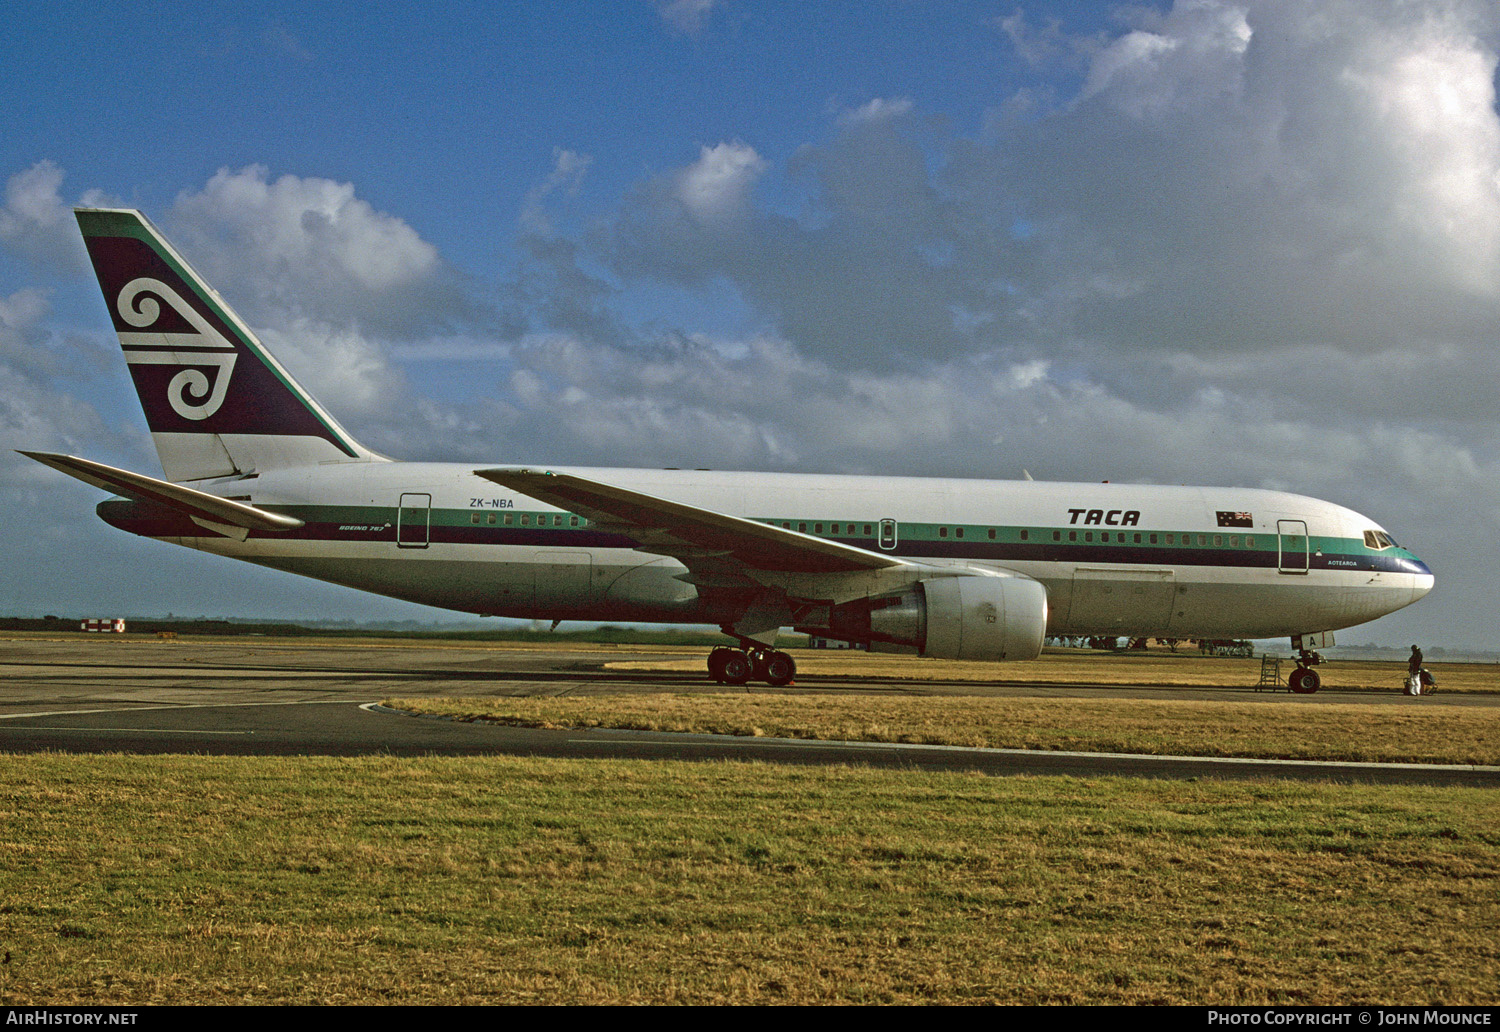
(735, 668)
(716, 662)
(776, 669)
(1304, 681)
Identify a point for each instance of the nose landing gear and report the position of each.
(1305, 680)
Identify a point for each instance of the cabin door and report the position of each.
(412, 520)
(1291, 537)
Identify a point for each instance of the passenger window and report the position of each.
(959, 532)
(942, 532)
(491, 519)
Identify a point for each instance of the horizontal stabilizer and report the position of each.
(199, 505)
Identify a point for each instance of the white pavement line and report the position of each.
(142, 730)
(171, 706)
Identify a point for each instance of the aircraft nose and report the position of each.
(1422, 578)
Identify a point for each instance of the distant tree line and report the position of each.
(207, 626)
(1207, 646)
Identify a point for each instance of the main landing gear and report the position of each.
(1304, 680)
(757, 663)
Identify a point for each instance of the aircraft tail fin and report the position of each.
(217, 402)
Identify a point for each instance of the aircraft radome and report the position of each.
(257, 470)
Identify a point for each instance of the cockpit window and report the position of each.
(1378, 540)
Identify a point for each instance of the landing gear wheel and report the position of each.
(1304, 681)
(735, 668)
(775, 668)
(717, 660)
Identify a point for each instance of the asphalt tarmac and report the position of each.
(89, 694)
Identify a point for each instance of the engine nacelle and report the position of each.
(966, 617)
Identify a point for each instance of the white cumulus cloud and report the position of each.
(718, 184)
(36, 222)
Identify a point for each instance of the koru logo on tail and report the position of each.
(190, 392)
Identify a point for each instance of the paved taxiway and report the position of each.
(262, 697)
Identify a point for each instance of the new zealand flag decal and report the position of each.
(1236, 519)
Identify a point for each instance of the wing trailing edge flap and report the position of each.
(221, 515)
(719, 550)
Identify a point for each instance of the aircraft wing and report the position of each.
(700, 538)
(220, 514)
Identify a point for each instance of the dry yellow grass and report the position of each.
(1328, 731)
(1151, 668)
(132, 880)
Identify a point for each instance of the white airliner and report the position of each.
(964, 569)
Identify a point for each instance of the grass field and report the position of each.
(1080, 666)
(136, 880)
(1344, 730)
(179, 879)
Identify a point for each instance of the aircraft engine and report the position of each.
(967, 617)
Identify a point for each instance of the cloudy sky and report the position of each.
(1246, 243)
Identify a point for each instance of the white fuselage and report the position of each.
(1115, 559)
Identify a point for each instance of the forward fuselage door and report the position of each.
(1291, 538)
(413, 518)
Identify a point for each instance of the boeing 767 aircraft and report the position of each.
(257, 470)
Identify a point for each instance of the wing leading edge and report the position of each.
(689, 533)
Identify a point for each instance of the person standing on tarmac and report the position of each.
(1414, 669)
